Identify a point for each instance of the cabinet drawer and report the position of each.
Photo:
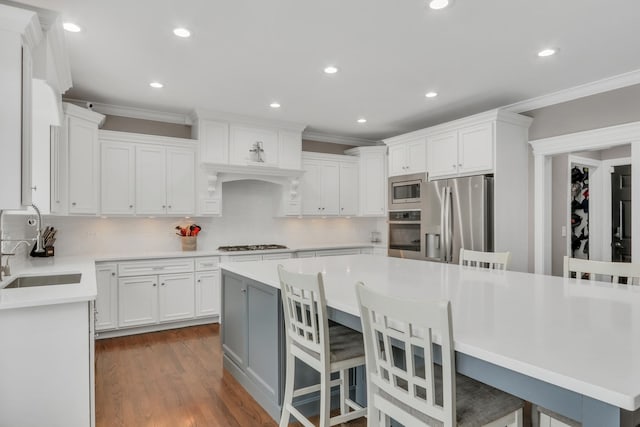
(241, 258)
(305, 254)
(208, 263)
(333, 252)
(163, 266)
(277, 256)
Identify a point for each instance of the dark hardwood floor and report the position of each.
(172, 378)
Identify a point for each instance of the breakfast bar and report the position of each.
(567, 345)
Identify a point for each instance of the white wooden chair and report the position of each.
(615, 270)
(325, 349)
(491, 260)
(405, 385)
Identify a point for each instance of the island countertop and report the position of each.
(577, 335)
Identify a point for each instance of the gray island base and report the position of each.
(484, 305)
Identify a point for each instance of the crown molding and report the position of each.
(141, 138)
(22, 21)
(605, 85)
(83, 113)
(134, 112)
(596, 139)
(337, 139)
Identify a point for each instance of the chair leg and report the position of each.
(344, 391)
(288, 390)
(325, 398)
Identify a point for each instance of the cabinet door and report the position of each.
(117, 178)
(290, 153)
(177, 297)
(214, 141)
(107, 298)
(59, 171)
(263, 337)
(330, 185)
(244, 139)
(397, 160)
(207, 293)
(137, 301)
(348, 189)
(373, 184)
(151, 187)
(234, 318)
(310, 187)
(416, 156)
(181, 185)
(475, 148)
(442, 154)
(83, 166)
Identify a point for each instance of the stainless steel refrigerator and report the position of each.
(457, 213)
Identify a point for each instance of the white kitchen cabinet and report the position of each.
(83, 165)
(407, 157)
(213, 137)
(137, 300)
(290, 150)
(207, 293)
(348, 188)
(329, 184)
(243, 139)
(281, 255)
(181, 164)
(464, 151)
(176, 297)
(59, 172)
(151, 175)
(117, 178)
(107, 298)
(372, 185)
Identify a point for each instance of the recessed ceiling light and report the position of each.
(182, 32)
(331, 69)
(71, 27)
(274, 105)
(431, 94)
(156, 85)
(438, 4)
(362, 120)
(546, 52)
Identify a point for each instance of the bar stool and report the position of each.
(325, 349)
(405, 385)
(616, 270)
(491, 260)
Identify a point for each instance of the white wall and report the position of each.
(248, 217)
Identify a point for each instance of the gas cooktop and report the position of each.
(250, 248)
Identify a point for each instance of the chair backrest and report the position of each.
(398, 337)
(305, 311)
(491, 260)
(616, 270)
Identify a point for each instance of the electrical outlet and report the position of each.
(563, 231)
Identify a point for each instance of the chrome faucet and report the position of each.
(39, 246)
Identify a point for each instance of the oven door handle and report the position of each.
(405, 222)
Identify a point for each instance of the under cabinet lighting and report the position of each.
(274, 105)
(331, 69)
(182, 32)
(156, 85)
(71, 27)
(431, 94)
(362, 120)
(546, 52)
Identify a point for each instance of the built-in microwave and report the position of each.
(405, 191)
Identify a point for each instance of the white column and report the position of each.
(542, 214)
(635, 201)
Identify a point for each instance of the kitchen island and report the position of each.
(563, 344)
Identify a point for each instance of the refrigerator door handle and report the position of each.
(448, 229)
(450, 224)
(443, 225)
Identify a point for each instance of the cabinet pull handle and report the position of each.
(130, 206)
(169, 206)
(244, 291)
(164, 206)
(453, 166)
(199, 280)
(459, 165)
(155, 284)
(73, 203)
(113, 273)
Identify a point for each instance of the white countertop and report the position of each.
(581, 336)
(52, 294)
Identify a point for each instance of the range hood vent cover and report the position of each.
(255, 171)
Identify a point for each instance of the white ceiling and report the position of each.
(244, 54)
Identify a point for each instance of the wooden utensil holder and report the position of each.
(189, 243)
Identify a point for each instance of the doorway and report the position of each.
(621, 213)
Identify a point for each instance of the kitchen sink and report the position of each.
(31, 281)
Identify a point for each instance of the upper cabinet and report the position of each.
(407, 156)
(329, 185)
(372, 182)
(147, 175)
(465, 151)
(20, 33)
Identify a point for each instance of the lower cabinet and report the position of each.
(207, 293)
(252, 336)
(176, 297)
(107, 298)
(137, 301)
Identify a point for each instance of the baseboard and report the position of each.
(112, 333)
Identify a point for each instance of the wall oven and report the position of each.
(404, 234)
(405, 192)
